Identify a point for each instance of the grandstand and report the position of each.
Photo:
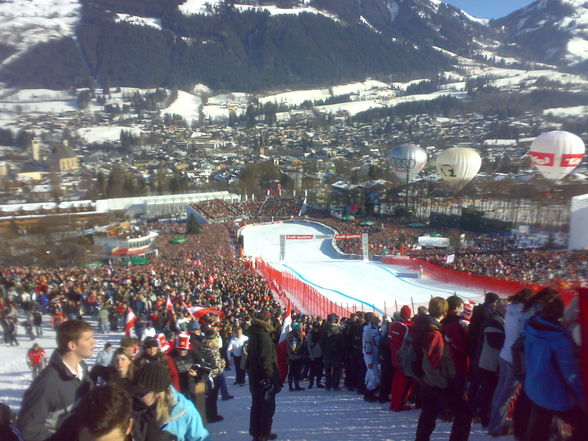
(218, 210)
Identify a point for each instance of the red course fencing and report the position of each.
(304, 296)
(471, 280)
(309, 299)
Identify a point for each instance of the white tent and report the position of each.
(578, 238)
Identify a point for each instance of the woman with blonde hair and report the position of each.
(173, 412)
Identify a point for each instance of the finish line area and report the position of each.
(285, 238)
(344, 280)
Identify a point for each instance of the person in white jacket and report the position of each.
(235, 351)
(104, 357)
(149, 330)
(371, 339)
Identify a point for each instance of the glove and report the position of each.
(266, 384)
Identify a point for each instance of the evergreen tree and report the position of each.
(192, 226)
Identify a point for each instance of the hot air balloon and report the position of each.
(557, 153)
(458, 165)
(407, 161)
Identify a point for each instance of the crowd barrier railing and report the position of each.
(472, 280)
(302, 295)
(308, 299)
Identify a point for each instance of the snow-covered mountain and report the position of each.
(552, 31)
(254, 44)
(24, 23)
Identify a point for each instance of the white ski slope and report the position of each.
(340, 279)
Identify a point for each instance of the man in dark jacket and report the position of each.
(480, 314)
(333, 345)
(456, 336)
(264, 377)
(109, 413)
(437, 391)
(49, 399)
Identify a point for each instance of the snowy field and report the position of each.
(341, 280)
(311, 415)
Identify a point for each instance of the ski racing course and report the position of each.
(341, 278)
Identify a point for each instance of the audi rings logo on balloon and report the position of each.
(402, 163)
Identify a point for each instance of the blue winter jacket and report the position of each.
(185, 421)
(552, 378)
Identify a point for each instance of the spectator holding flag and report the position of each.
(130, 322)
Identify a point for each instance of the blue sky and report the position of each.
(489, 8)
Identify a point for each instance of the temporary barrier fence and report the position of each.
(309, 299)
(472, 280)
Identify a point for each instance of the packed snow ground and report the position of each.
(367, 285)
(310, 415)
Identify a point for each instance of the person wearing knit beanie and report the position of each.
(174, 413)
(151, 377)
(405, 312)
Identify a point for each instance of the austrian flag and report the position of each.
(129, 322)
(199, 311)
(282, 350)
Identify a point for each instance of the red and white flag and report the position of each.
(168, 304)
(283, 343)
(199, 311)
(130, 322)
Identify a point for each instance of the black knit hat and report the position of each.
(151, 377)
(491, 297)
(150, 342)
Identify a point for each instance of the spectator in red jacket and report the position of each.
(36, 359)
(57, 319)
(401, 385)
(456, 336)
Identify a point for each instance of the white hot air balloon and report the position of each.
(458, 165)
(557, 153)
(407, 161)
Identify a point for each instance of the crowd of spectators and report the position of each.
(484, 254)
(538, 266)
(280, 208)
(204, 271)
(217, 210)
(272, 207)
